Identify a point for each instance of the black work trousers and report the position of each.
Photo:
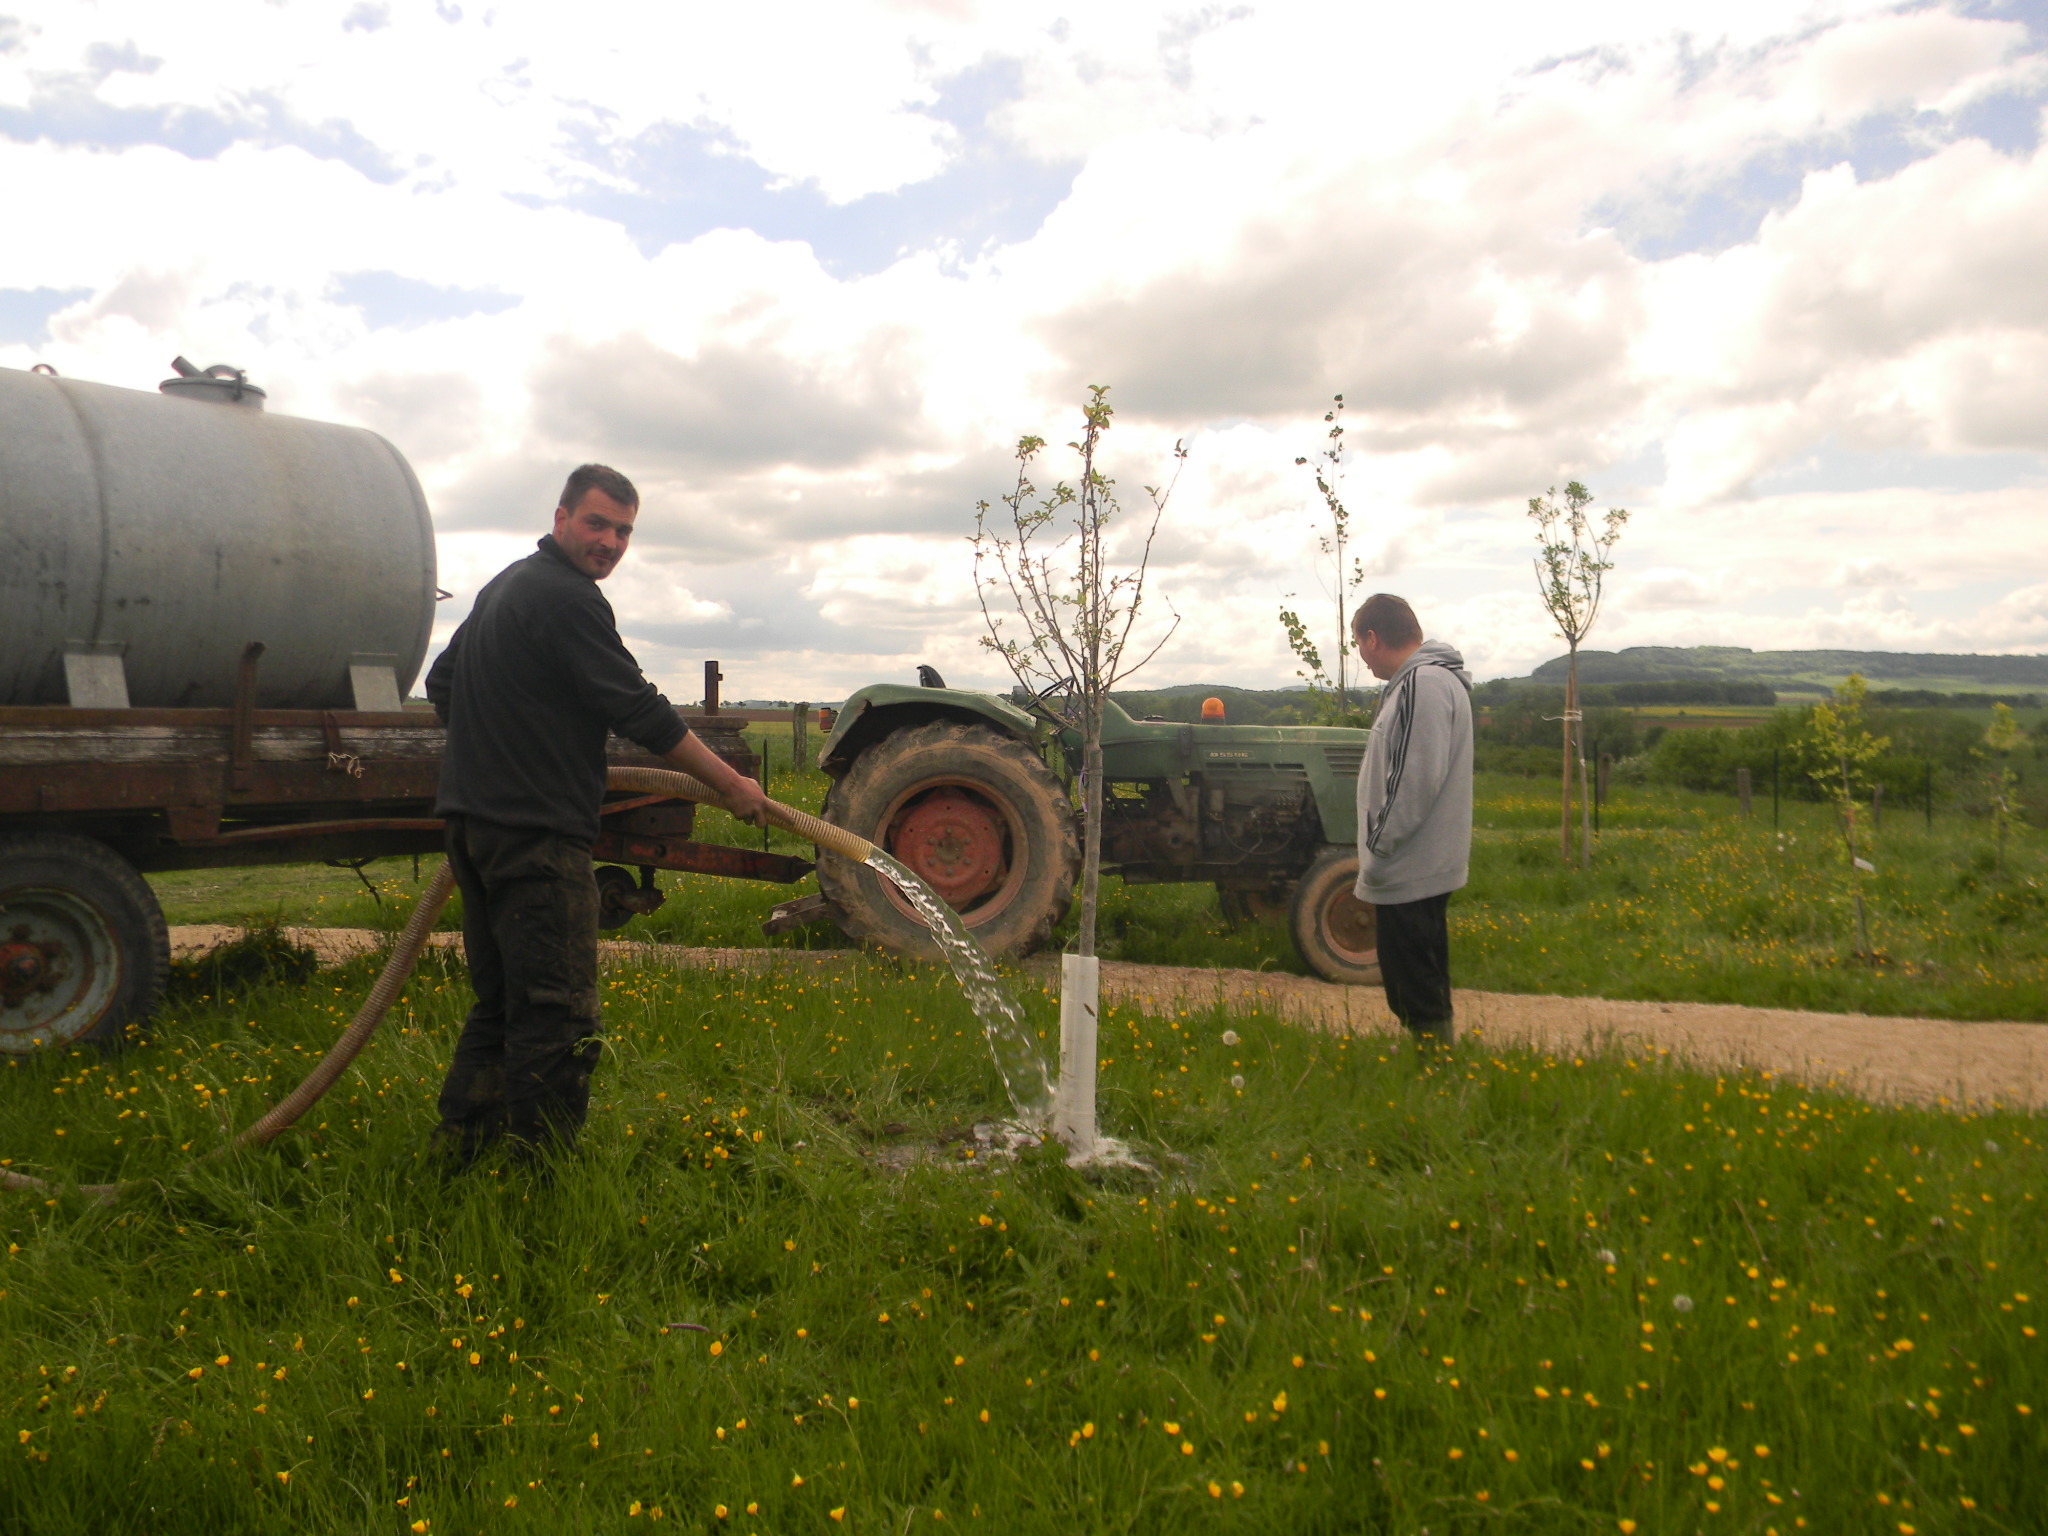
(1415, 965)
(529, 928)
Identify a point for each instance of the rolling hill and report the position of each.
(1809, 672)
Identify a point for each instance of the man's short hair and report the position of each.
(1390, 618)
(597, 477)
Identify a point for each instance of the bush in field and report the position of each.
(1706, 760)
(1522, 733)
(1945, 739)
(1942, 743)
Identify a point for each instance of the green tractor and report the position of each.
(974, 791)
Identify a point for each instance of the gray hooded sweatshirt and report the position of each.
(1415, 786)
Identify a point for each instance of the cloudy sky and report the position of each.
(1775, 279)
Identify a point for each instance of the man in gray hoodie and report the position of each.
(1414, 808)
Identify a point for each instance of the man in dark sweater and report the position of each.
(530, 686)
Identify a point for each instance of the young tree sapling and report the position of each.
(1573, 558)
(1046, 559)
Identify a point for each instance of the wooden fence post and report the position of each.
(1742, 791)
(799, 733)
(1876, 806)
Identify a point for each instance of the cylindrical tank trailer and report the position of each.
(209, 619)
(148, 539)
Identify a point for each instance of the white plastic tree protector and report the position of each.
(1073, 1113)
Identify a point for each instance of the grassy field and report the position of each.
(1368, 1293)
(1687, 902)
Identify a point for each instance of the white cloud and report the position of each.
(1870, 571)
(1266, 212)
(1667, 587)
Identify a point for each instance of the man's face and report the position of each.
(594, 536)
(1380, 660)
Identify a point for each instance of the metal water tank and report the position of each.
(174, 529)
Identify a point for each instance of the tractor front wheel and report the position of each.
(1335, 932)
(977, 816)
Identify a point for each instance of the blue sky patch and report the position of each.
(1829, 468)
(687, 181)
(25, 312)
(68, 110)
(1687, 215)
(390, 301)
(2010, 122)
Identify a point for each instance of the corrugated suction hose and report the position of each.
(405, 954)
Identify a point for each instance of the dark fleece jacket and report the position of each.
(529, 688)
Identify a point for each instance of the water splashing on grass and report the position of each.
(1010, 1039)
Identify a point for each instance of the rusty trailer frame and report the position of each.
(204, 788)
(135, 791)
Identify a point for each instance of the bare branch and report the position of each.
(1044, 562)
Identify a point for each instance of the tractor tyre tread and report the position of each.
(1331, 874)
(952, 749)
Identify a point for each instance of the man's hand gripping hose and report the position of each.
(405, 954)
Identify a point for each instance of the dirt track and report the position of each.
(1928, 1061)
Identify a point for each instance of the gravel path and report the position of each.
(1924, 1061)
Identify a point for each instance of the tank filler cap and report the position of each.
(221, 382)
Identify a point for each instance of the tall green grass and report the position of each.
(1540, 1293)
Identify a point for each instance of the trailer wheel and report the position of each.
(977, 816)
(1335, 932)
(83, 947)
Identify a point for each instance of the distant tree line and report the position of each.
(1684, 691)
(1518, 706)
(1635, 695)
(1928, 698)
(1798, 671)
(1522, 736)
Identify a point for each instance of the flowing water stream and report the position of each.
(1010, 1039)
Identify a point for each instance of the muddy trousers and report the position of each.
(1415, 965)
(529, 928)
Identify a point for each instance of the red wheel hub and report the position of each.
(1351, 926)
(25, 967)
(953, 841)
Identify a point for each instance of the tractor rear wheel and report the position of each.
(975, 814)
(83, 947)
(1335, 932)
